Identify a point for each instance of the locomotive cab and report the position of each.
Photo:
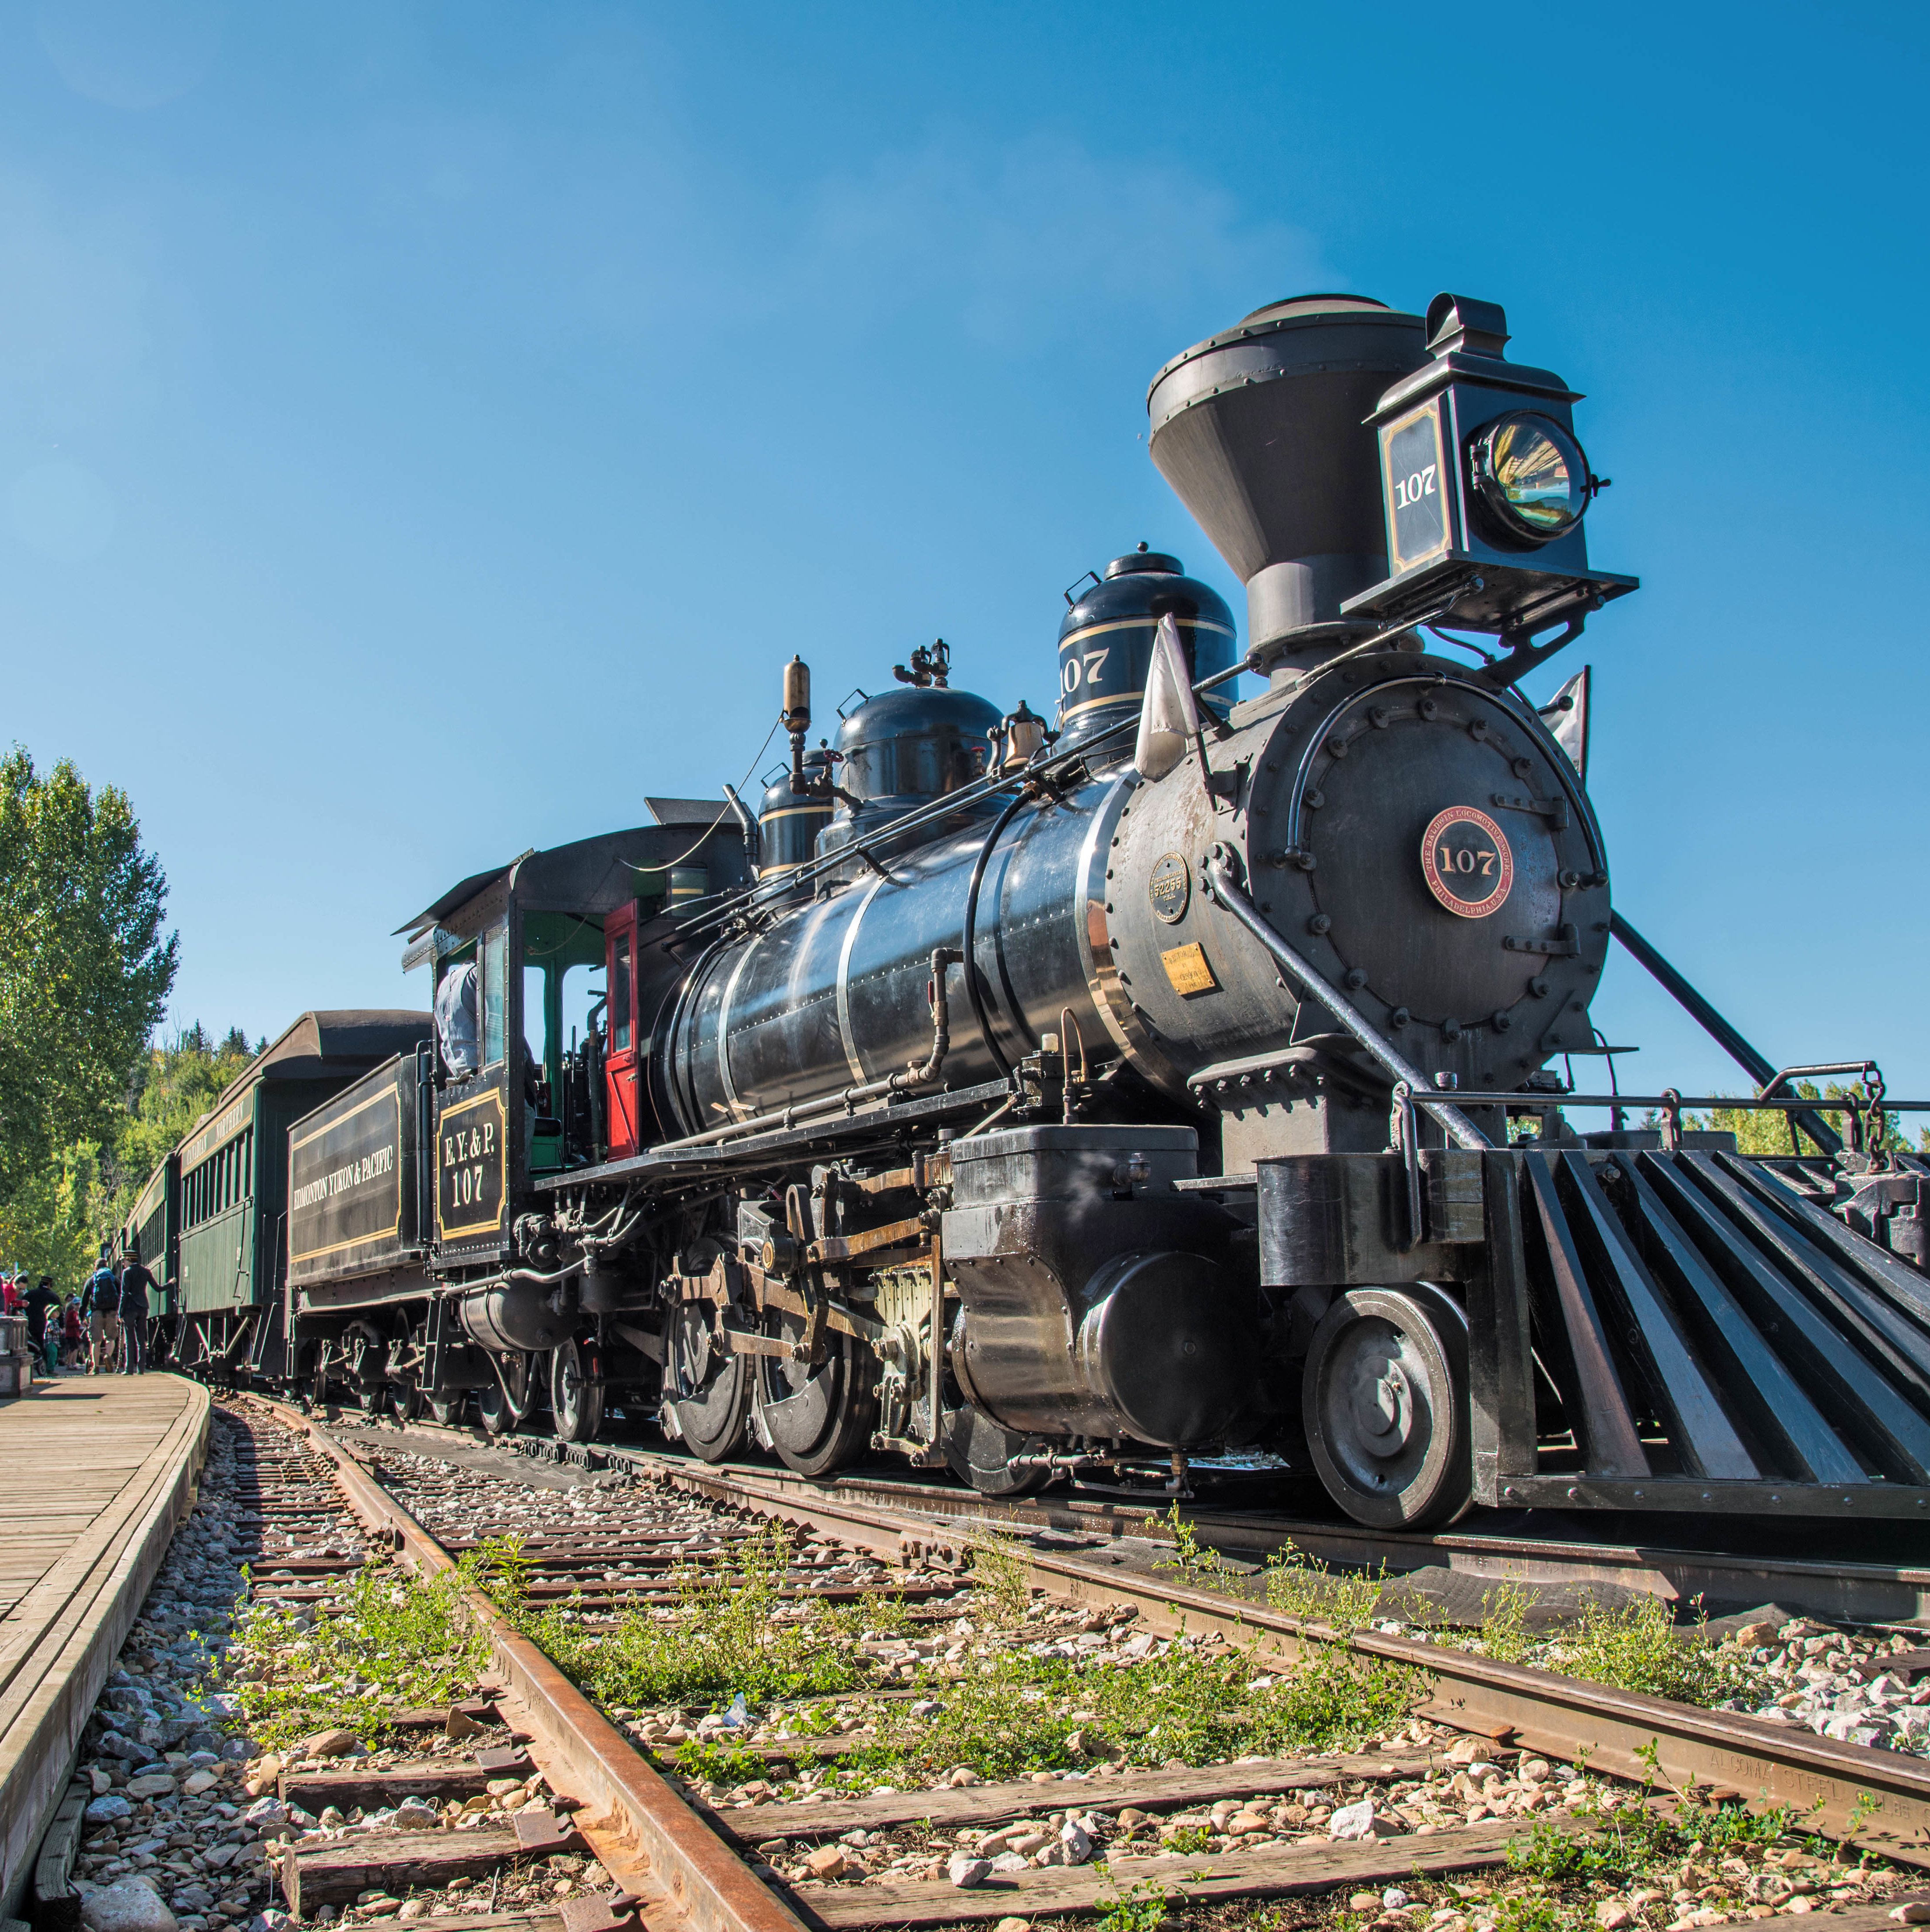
(540, 968)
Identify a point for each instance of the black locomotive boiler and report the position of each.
(1075, 1101)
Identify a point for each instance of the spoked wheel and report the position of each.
(403, 1394)
(576, 1390)
(980, 1451)
(1385, 1401)
(368, 1387)
(819, 1416)
(712, 1417)
(450, 1412)
(505, 1401)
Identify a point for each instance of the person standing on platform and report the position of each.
(102, 1301)
(72, 1333)
(135, 1283)
(43, 1306)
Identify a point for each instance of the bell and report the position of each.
(1022, 735)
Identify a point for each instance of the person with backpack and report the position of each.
(135, 1282)
(101, 1298)
(41, 1304)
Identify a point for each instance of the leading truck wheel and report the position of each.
(714, 1413)
(980, 1451)
(817, 1416)
(1386, 1403)
(576, 1390)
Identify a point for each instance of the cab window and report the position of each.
(619, 995)
(495, 971)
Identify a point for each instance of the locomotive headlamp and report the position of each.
(1530, 476)
(1483, 488)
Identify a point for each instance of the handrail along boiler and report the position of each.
(1040, 1102)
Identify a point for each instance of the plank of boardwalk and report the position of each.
(59, 1636)
(1063, 1888)
(947, 1809)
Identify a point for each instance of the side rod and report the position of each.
(1759, 1070)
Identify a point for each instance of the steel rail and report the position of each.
(1613, 1730)
(1864, 1590)
(636, 1825)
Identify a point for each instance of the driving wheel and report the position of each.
(576, 1390)
(713, 1409)
(1385, 1398)
(818, 1415)
(450, 1411)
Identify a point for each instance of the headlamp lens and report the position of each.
(1532, 474)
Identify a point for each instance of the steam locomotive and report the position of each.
(1075, 1101)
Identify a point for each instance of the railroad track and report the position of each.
(1725, 1752)
(1870, 1587)
(526, 1806)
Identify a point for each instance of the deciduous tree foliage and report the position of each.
(55, 1222)
(84, 969)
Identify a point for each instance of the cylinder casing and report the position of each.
(1097, 1299)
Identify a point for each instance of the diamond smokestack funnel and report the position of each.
(1261, 432)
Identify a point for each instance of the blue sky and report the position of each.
(424, 429)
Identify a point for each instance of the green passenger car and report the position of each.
(153, 1232)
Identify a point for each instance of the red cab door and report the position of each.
(624, 1073)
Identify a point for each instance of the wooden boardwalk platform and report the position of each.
(95, 1473)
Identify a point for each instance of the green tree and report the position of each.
(55, 1220)
(51, 1223)
(178, 1082)
(1762, 1131)
(84, 970)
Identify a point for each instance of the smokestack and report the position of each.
(1261, 432)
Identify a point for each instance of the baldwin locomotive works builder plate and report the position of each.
(1466, 860)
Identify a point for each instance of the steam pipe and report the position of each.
(923, 1075)
(1460, 1130)
(952, 803)
(748, 823)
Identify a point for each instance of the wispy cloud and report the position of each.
(1017, 243)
